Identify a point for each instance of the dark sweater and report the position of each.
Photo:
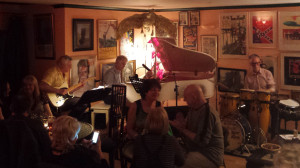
(170, 154)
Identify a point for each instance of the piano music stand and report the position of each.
(91, 96)
(136, 83)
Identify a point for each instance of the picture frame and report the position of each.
(183, 19)
(270, 63)
(129, 70)
(263, 29)
(209, 45)
(106, 65)
(290, 71)
(44, 36)
(233, 45)
(83, 34)
(83, 67)
(177, 32)
(194, 18)
(190, 39)
(288, 30)
(231, 80)
(107, 39)
(127, 43)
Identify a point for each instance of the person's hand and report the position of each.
(148, 75)
(179, 122)
(209, 74)
(62, 91)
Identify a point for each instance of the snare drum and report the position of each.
(247, 94)
(229, 103)
(237, 131)
(289, 109)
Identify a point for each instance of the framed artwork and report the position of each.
(83, 34)
(194, 18)
(233, 39)
(231, 80)
(104, 67)
(44, 37)
(270, 63)
(127, 43)
(107, 41)
(209, 45)
(183, 19)
(83, 68)
(129, 70)
(263, 29)
(290, 71)
(289, 30)
(190, 37)
(176, 38)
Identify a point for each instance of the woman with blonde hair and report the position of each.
(66, 152)
(39, 104)
(156, 148)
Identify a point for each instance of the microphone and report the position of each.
(146, 67)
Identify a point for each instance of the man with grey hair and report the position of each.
(259, 78)
(201, 130)
(113, 75)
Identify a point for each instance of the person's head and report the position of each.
(194, 97)
(255, 62)
(157, 121)
(121, 61)
(150, 89)
(65, 131)
(64, 63)
(30, 86)
(20, 105)
(83, 68)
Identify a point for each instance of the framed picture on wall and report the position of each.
(44, 37)
(83, 70)
(127, 43)
(231, 80)
(290, 71)
(104, 67)
(194, 18)
(209, 45)
(83, 34)
(129, 70)
(233, 38)
(263, 29)
(190, 37)
(183, 19)
(270, 63)
(175, 23)
(107, 41)
(289, 30)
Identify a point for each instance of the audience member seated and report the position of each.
(139, 110)
(67, 153)
(156, 148)
(5, 99)
(39, 104)
(20, 107)
(201, 131)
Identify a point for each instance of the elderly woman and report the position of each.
(156, 148)
(65, 150)
(139, 110)
(39, 105)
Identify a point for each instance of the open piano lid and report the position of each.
(174, 58)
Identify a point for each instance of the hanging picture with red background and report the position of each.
(263, 29)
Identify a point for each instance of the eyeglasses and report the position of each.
(255, 63)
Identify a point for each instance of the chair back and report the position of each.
(118, 102)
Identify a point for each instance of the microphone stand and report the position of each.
(176, 89)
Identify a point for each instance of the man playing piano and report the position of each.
(201, 130)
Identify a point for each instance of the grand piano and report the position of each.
(182, 67)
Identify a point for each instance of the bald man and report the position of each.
(201, 130)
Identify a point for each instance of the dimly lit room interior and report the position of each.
(238, 63)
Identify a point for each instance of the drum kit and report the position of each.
(246, 116)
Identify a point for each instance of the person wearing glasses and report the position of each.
(259, 78)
